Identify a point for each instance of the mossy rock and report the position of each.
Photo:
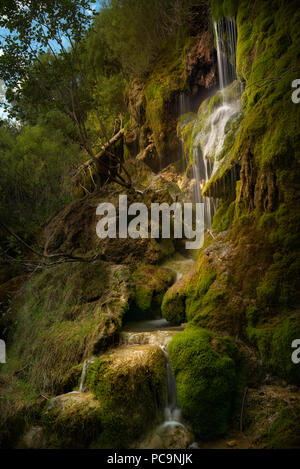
(173, 304)
(206, 368)
(274, 342)
(223, 8)
(72, 420)
(150, 284)
(130, 385)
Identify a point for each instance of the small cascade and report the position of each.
(172, 412)
(83, 375)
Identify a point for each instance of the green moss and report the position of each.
(223, 217)
(131, 392)
(198, 293)
(274, 341)
(72, 421)
(173, 305)
(150, 284)
(61, 320)
(223, 8)
(167, 78)
(207, 379)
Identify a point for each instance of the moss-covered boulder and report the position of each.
(150, 284)
(72, 420)
(130, 385)
(206, 369)
(285, 430)
(173, 304)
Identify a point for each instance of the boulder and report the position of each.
(130, 384)
(150, 285)
(206, 369)
(72, 420)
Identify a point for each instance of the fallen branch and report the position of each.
(103, 150)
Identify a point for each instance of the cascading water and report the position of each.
(208, 141)
(83, 374)
(172, 412)
(226, 39)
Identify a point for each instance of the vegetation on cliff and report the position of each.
(123, 110)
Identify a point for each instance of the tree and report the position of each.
(43, 66)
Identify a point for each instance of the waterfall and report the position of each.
(172, 411)
(83, 375)
(226, 39)
(209, 140)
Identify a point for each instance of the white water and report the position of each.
(208, 142)
(83, 375)
(226, 39)
(172, 411)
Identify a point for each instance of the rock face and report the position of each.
(154, 105)
(201, 63)
(127, 394)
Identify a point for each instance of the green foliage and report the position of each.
(207, 378)
(223, 8)
(35, 178)
(134, 33)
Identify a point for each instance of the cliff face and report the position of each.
(247, 282)
(187, 69)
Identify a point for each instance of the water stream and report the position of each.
(172, 411)
(208, 141)
(226, 40)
